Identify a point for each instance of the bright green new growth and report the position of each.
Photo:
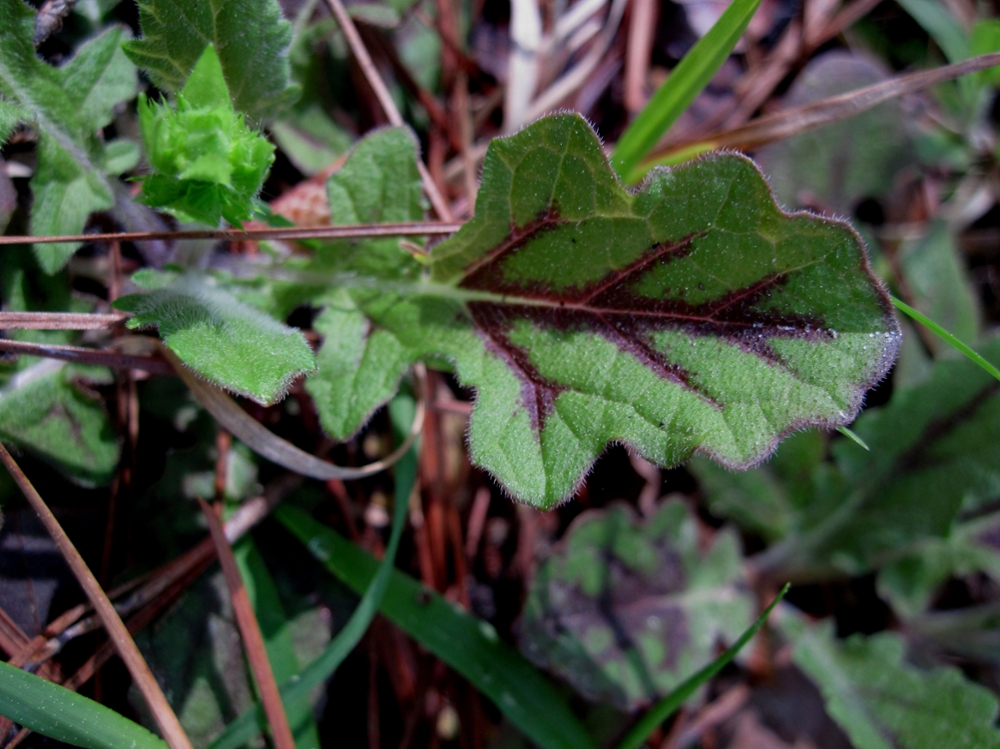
(626, 611)
(221, 338)
(209, 164)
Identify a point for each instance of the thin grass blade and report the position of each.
(467, 644)
(686, 81)
(58, 713)
(853, 437)
(945, 336)
(297, 689)
(663, 709)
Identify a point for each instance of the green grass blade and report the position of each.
(297, 689)
(686, 81)
(853, 437)
(945, 336)
(58, 713)
(467, 644)
(663, 709)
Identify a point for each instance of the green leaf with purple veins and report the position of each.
(691, 316)
(625, 611)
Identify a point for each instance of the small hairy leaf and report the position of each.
(692, 316)
(220, 338)
(208, 163)
(882, 702)
(251, 39)
(626, 611)
(358, 368)
(67, 105)
(42, 411)
(60, 714)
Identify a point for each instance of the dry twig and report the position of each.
(163, 714)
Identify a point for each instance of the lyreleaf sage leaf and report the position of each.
(626, 610)
(883, 702)
(208, 163)
(224, 340)
(67, 106)
(691, 316)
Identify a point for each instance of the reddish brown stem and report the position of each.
(253, 641)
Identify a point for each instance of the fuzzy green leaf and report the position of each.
(220, 338)
(67, 105)
(693, 316)
(42, 411)
(11, 115)
(359, 367)
(933, 448)
(884, 703)
(626, 611)
(251, 39)
(209, 164)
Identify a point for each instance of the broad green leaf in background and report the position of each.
(685, 82)
(882, 702)
(306, 133)
(220, 338)
(60, 714)
(766, 500)
(44, 412)
(197, 656)
(626, 611)
(836, 166)
(251, 39)
(693, 316)
(933, 453)
(941, 25)
(909, 583)
(467, 644)
(68, 106)
(208, 163)
(358, 368)
(640, 732)
(937, 279)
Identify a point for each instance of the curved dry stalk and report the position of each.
(403, 229)
(791, 122)
(268, 445)
(163, 714)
